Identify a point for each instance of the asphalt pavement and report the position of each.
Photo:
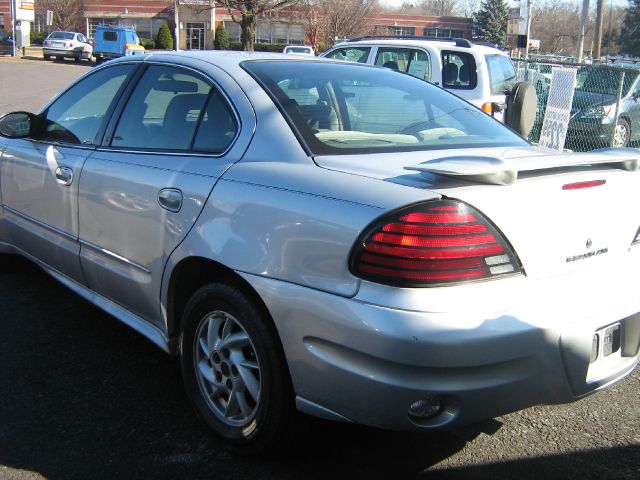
(83, 396)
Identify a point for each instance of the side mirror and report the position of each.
(17, 124)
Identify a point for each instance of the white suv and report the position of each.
(482, 75)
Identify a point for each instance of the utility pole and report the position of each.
(529, 11)
(597, 40)
(581, 32)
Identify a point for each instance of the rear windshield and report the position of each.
(298, 50)
(340, 108)
(501, 73)
(110, 36)
(62, 35)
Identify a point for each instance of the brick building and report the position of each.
(197, 21)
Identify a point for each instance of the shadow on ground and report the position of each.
(83, 396)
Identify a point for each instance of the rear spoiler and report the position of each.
(503, 171)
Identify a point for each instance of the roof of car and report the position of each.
(459, 44)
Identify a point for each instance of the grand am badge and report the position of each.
(584, 256)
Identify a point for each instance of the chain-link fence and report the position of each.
(605, 110)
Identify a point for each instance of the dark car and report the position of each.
(593, 112)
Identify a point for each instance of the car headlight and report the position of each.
(597, 112)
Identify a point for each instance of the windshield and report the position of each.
(62, 35)
(345, 108)
(599, 80)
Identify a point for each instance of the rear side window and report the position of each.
(163, 110)
(175, 109)
(501, 74)
(458, 70)
(110, 36)
(350, 54)
(408, 60)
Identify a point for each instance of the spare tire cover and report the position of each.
(521, 108)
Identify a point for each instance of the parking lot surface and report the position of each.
(82, 396)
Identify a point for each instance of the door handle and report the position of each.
(64, 175)
(170, 199)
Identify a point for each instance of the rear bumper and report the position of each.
(69, 53)
(369, 362)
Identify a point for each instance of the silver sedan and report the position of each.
(339, 239)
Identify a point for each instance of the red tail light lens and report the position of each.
(434, 243)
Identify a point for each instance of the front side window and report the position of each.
(408, 60)
(175, 109)
(359, 109)
(502, 75)
(77, 115)
(458, 70)
(350, 54)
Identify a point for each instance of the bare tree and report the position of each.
(555, 23)
(441, 8)
(67, 14)
(345, 18)
(249, 11)
(467, 8)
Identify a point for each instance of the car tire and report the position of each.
(234, 369)
(46, 57)
(521, 108)
(77, 57)
(621, 134)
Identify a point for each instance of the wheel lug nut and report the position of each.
(218, 376)
(215, 357)
(225, 353)
(234, 370)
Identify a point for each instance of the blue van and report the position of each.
(114, 42)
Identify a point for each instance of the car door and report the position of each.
(142, 191)
(39, 175)
(414, 61)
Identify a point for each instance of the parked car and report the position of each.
(340, 239)
(298, 49)
(480, 74)
(593, 112)
(115, 42)
(61, 45)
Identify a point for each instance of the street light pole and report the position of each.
(12, 10)
(176, 21)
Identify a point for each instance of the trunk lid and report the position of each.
(555, 221)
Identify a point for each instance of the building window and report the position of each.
(1, 20)
(401, 31)
(94, 22)
(443, 33)
(233, 30)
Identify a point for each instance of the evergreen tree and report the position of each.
(164, 40)
(491, 22)
(222, 41)
(630, 31)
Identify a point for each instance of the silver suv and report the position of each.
(480, 74)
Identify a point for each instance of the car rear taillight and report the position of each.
(433, 243)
